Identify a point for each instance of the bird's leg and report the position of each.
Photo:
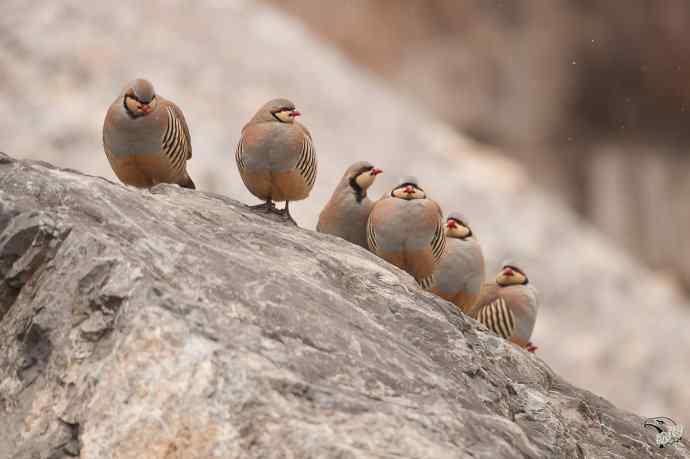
(267, 206)
(285, 213)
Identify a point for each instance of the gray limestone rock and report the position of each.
(172, 323)
(607, 324)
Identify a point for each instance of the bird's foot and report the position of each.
(285, 213)
(531, 347)
(267, 207)
(287, 217)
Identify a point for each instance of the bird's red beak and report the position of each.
(508, 272)
(452, 224)
(295, 113)
(409, 189)
(376, 171)
(146, 108)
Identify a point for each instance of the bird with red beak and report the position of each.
(346, 213)
(406, 229)
(509, 306)
(408, 189)
(146, 138)
(459, 276)
(276, 158)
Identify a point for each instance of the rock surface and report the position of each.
(179, 324)
(606, 323)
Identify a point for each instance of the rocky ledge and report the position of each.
(178, 324)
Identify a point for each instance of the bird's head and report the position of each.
(457, 227)
(408, 189)
(278, 110)
(361, 175)
(140, 98)
(510, 274)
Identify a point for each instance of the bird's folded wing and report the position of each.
(498, 318)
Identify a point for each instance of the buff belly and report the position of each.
(277, 186)
(144, 170)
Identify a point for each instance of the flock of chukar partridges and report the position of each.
(147, 141)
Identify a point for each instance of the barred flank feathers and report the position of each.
(371, 236)
(307, 164)
(175, 144)
(438, 242)
(427, 282)
(497, 317)
(239, 155)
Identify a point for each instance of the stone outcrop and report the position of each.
(178, 324)
(606, 323)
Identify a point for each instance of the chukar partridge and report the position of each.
(406, 229)
(509, 306)
(275, 156)
(459, 275)
(347, 212)
(146, 138)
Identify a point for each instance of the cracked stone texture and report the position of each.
(606, 323)
(180, 324)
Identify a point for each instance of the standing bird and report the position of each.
(406, 229)
(275, 156)
(509, 306)
(146, 138)
(347, 212)
(459, 276)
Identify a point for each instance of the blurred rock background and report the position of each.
(591, 96)
(408, 86)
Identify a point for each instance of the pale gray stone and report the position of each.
(179, 324)
(606, 323)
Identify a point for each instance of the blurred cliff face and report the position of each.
(593, 96)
